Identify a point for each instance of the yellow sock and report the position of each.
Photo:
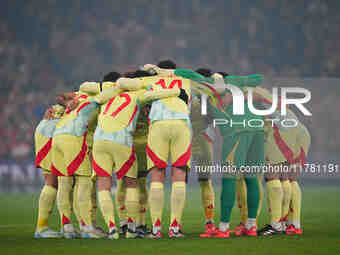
(106, 207)
(64, 198)
(261, 197)
(120, 200)
(274, 191)
(94, 202)
(296, 204)
(208, 199)
(156, 201)
(177, 201)
(143, 200)
(290, 214)
(47, 197)
(241, 189)
(139, 219)
(76, 209)
(287, 195)
(84, 198)
(132, 204)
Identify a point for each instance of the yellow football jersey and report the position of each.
(121, 111)
(76, 122)
(161, 82)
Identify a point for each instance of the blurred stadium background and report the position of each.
(50, 46)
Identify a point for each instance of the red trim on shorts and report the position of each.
(82, 106)
(133, 115)
(99, 171)
(155, 159)
(184, 159)
(74, 165)
(127, 165)
(43, 153)
(284, 148)
(55, 171)
(208, 138)
(301, 158)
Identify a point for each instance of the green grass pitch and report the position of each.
(321, 223)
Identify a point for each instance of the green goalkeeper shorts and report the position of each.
(244, 150)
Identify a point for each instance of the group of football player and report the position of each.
(147, 121)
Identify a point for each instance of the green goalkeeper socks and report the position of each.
(253, 196)
(227, 198)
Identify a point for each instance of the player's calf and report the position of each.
(46, 203)
(106, 206)
(132, 206)
(178, 193)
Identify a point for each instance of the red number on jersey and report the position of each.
(174, 82)
(161, 82)
(121, 107)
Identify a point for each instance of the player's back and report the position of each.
(172, 107)
(120, 112)
(47, 126)
(76, 122)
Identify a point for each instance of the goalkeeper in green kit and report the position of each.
(243, 148)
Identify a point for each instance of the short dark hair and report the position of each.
(130, 74)
(111, 76)
(204, 71)
(167, 64)
(142, 73)
(224, 74)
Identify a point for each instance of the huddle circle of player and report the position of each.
(149, 120)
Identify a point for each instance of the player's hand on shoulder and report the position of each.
(72, 104)
(151, 68)
(129, 84)
(49, 114)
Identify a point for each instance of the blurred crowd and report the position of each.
(49, 46)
